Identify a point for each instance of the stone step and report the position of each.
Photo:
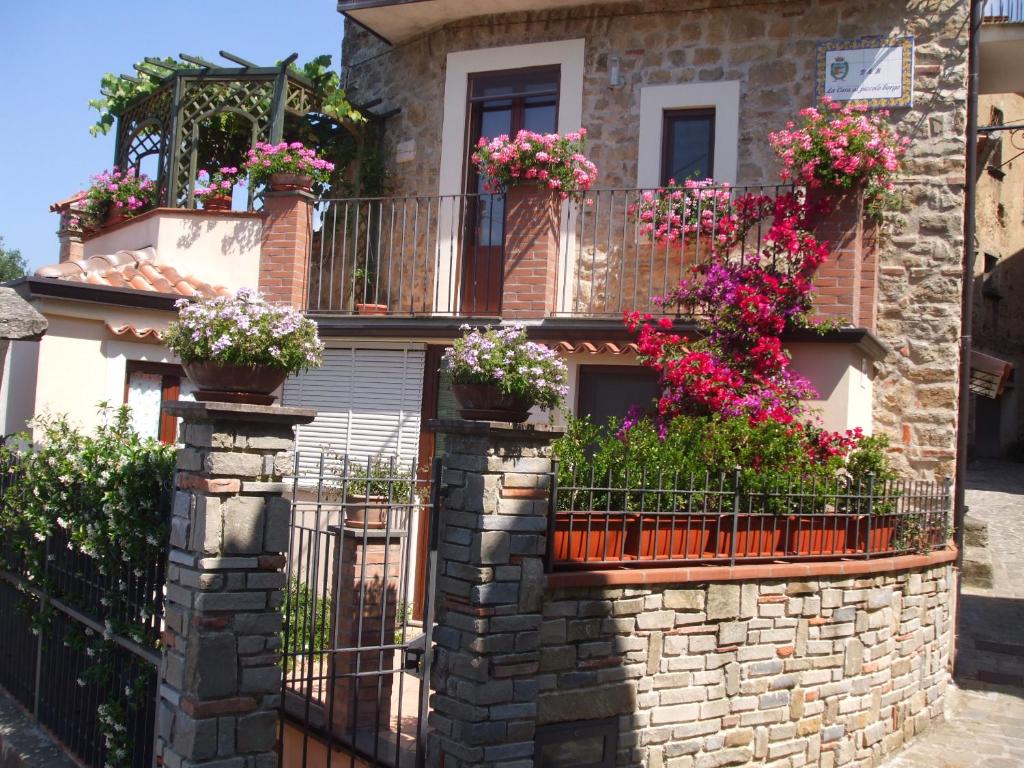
(975, 532)
(977, 567)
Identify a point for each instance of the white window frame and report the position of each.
(568, 55)
(656, 100)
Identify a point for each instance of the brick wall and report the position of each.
(531, 253)
(284, 251)
(830, 671)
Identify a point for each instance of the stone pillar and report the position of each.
(365, 599)
(284, 252)
(531, 253)
(220, 676)
(845, 287)
(69, 234)
(490, 588)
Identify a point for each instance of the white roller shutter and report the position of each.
(368, 403)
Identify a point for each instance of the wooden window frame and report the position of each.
(667, 117)
(170, 390)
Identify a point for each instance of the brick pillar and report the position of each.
(846, 284)
(69, 237)
(284, 252)
(365, 600)
(531, 252)
(220, 676)
(490, 589)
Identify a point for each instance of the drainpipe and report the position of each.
(966, 304)
(967, 294)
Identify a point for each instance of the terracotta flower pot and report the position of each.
(485, 402)
(824, 535)
(114, 216)
(592, 537)
(234, 383)
(674, 537)
(288, 182)
(371, 309)
(366, 511)
(217, 203)
(757, 536)
(876, 533)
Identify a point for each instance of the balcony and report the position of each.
(397, 21)
(492, 255)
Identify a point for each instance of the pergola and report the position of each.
(167, 121)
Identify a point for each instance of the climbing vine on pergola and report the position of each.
(172, 121)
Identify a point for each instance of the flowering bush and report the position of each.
(641, 452)
(264, 160)
(504, 357)
(547, 160)
(126, 192)
(742, 306)
(669, 213)
(106, 497)
(243, 330)
(220, 183)
(842, 147)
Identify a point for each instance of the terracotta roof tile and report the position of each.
(140, 270)
(142, 333)
(595, 348)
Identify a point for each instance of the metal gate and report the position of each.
(356, 660)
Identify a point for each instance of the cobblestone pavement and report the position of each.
(985, 713)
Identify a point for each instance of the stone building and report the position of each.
(998, 421)
(671, 86)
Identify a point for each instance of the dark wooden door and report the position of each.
(499, 103)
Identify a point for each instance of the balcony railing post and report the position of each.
(871, 510)
(735, 515)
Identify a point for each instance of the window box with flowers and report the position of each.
(240, 348)
(499, 375)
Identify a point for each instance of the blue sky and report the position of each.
(54, 53)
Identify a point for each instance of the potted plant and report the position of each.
(841, 149)
(214, 190)
(374, 487)
(499, 375)
(364, 279)
(115, 196)
(549, 162)
(287, 166)
(240, 348)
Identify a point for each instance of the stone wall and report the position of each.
(830, 671)
(770, 47)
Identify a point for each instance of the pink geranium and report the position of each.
(546, 160)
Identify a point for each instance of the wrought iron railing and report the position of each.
(667, 519)
(48, 661)
(620, 249)
(1003, 12)
(444, 255)
(356, 637)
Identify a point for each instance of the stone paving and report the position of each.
(985, 712)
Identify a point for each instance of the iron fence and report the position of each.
(59, 655)
(670, 519)
(443, 255)
(356, 639)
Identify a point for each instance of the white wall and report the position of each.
(219, 248)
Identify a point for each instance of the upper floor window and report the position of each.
(688, 145)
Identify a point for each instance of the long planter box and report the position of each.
(594, 538)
